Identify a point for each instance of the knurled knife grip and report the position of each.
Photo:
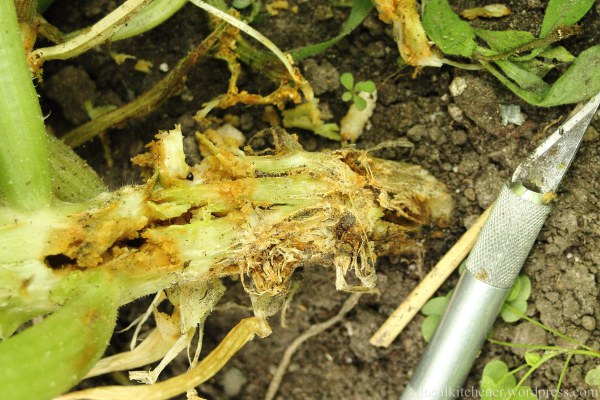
(491, 269)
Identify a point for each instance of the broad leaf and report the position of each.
(450, 33)
(347, 80)
(502, 41)
(578, 83)
(593, 376)
(558, 53)
(525, 288)
(563, 12)
(497, 371)
(429, 325)
(514, 290)
(513, 311)
(365, 86)
(435, 306)
(525, 79)
(359, 102)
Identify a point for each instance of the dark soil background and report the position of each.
(460, 139)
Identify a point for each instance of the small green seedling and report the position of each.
(497, 382)
(353, 90)
(433, 311)
(592, 377)
(514, 307)
(517, 298)
(496, 375)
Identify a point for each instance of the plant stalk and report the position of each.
(24, 167)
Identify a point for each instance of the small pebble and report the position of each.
(458, 138)
(458, 86)
(416, 133)
(323, 12)
(456, 113)
(588, 322)
(470, 194)
(233, 381)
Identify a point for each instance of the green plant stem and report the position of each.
(563, 372)
(548, 329)
(532, 369)
(24, 167)
(73, 180)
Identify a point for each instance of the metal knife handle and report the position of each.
(492, 266)
(508, 235)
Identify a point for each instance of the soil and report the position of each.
(459, 137)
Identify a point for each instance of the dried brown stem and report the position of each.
(149, 100)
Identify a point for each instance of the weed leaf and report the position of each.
(360, 10)
(525, 288)
(497, 372)
(450, 33)
(502, 41)
(532, 358)
(509, 315)
(563, 12)
(593, 376)
(558, 53)
(347, 96)
(435, 306)
(365, 86)
(429, 325)
(347, 80)
(359, 102)
(514, 290)
(579, 82)
(524, 78)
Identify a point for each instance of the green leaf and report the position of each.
(486, 384)
(558, 53)
(525, 79)
(525, 288)
(240, 4)
(347, 96)
(537, 67)
(578, 83)
(360, 10)
(451, 34)
(531, 97)
(563, 12)
(365, 86)
(435, 306)
(510, 315)
(359, 102)
(52, 356)
(429, 325)
(514, 290)
(502, 41)
(347, 80)
(497, 371)
(532, 358)
(593, 376)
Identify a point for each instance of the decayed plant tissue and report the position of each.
(256, 216)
